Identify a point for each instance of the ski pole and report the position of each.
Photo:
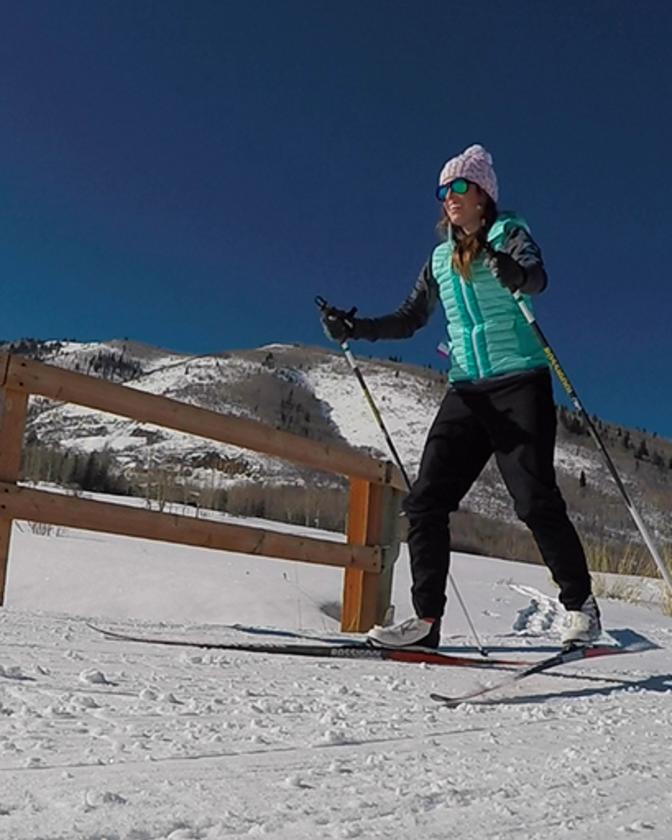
(322, 305)
(567, 385)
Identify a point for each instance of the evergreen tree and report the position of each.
(642, 452)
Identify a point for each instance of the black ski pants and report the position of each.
(514, 418)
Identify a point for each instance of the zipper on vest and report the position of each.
(472, 331)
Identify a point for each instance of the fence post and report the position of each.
(13, 407)
(373, 519)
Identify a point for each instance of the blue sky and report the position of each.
(192, 174)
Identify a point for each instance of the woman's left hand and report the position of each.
(503, 266)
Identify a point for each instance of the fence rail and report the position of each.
(376, 486)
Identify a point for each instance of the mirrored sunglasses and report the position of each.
(459, 186)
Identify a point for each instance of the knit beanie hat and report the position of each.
(474, 164)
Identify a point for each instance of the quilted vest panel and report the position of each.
(487, 333)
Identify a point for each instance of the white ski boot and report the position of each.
(583, 626)
(413, 632)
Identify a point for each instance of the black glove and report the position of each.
(338, 325)
(503, 266)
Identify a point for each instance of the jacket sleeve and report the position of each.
(525, 251)
(413, 313)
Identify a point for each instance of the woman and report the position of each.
(500, 399)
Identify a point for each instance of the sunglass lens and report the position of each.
(459, 186)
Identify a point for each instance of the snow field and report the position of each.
(109, 739)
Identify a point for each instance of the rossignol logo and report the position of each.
(356, 653)
(559, 372)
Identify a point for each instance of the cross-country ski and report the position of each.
(563, 657)
(329, 650)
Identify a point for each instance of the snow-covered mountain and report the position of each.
(312, 392)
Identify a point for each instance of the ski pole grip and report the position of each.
(321, 303)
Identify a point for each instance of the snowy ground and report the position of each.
(103, 739)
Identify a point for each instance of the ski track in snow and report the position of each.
(542, 615)
(124, 741)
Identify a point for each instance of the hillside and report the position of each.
(312, 392)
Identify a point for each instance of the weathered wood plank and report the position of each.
(373, 519)
(92, 515)
(67, 386)
(13, 408)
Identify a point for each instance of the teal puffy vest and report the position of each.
(487, 333)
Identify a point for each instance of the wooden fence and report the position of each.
(376, 486)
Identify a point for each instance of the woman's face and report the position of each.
(465, 210)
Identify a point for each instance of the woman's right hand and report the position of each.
(338, 325)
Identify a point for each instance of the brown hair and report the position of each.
(467, 246)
